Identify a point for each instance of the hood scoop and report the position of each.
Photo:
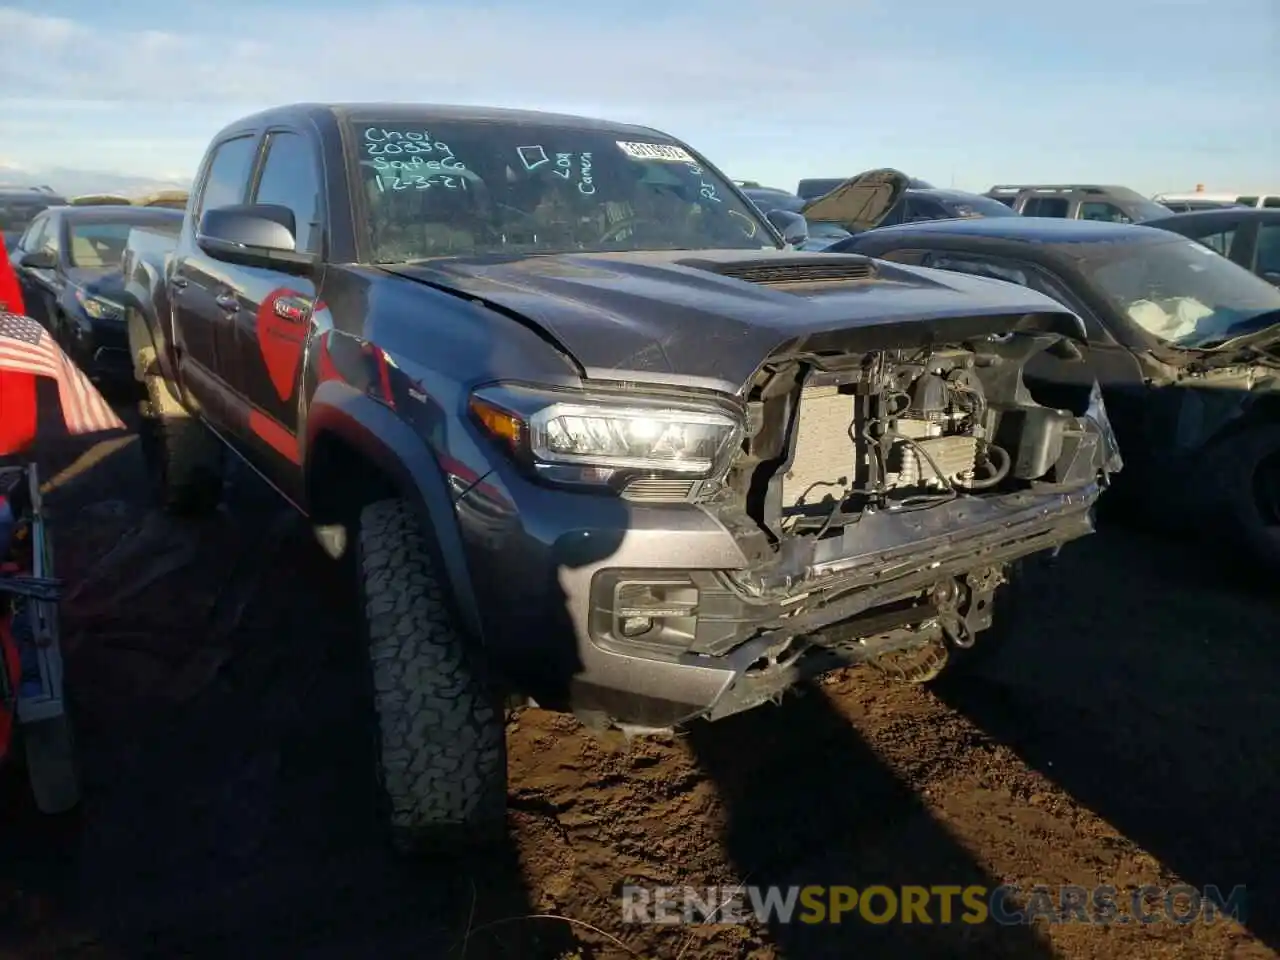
(826, 269)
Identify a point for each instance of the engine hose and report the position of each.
(1002, 465)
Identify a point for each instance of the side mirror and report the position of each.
(39, 260)
(254, 234)
(793, 227)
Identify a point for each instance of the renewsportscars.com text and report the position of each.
(1007, 905)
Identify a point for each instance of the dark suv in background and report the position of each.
(1078, 202)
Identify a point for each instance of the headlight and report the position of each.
(599, 440)
(98, 307)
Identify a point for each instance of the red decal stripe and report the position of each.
(275, 436)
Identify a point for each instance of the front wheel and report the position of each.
(1248, 475)
(441, 738)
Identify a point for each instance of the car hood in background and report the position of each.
(861, 202)
(709, 318)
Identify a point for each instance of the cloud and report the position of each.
(837, 84)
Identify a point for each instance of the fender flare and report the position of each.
(404, 458)
(144, 333)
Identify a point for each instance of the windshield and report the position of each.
(468, 188)
(98, 243)
(1178, 290)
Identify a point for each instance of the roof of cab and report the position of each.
(411, 112)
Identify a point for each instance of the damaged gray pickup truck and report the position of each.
(588, 429)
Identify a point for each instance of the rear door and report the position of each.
(204, 304)
(275, 311)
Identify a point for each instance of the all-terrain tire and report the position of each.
(1243, 464)
(442, 764)
(184, 459)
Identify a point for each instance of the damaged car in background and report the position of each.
(1185, 344)
(587, 428)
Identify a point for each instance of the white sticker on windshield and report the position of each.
(668, 152)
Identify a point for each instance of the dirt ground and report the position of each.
(1128, 737)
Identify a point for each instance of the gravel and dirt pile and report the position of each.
(1128, 738)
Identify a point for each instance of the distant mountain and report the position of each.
(72, 183)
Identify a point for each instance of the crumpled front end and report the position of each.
(888, 496)
(877, 504)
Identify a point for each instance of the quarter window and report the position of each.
(1098, 210)
(289, 178)
(228, 175)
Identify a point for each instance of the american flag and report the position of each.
(26, 347)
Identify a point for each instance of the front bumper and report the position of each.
(100, 347)
(562, 577)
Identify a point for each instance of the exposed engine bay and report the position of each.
(898, 430)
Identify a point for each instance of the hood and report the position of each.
(861, 202)
(106, 282)
(711, 317)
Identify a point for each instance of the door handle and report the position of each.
(180, 282)
(228, 301)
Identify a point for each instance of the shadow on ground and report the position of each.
(845, 821)
(230, 802)
(1157, 708)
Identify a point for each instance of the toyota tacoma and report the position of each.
(589, 429)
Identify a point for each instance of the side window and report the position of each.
(1267, 258)
(1046, 207)
(51, 239)
(1271, 203)
(35, 233)
(896, 214)
(1247, 201)
(228, 175)
(919, 208)
(1219, 241)
(1098, 210)
(289, 178)
(1024, 274)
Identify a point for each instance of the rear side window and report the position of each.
(228, 175)
(1046, 207)
(1248, 201)
(289, 178)
(1007, 201)
(1098, 210)
(1271, 203)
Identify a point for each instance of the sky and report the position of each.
(1158, 95)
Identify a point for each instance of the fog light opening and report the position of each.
(633, 627)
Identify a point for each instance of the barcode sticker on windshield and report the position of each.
(655, 151)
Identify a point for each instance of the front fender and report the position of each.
(403, 457)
